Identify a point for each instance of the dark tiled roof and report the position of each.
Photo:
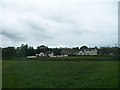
(86, 48)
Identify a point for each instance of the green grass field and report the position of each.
(60, 74)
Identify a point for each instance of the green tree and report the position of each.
(22, 51)
(57, 51)
(8, 52)
(76, 48)
(30, 51)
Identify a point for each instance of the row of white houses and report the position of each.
(88, 51)
(83, 51)
(41, 54)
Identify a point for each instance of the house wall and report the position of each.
(51, 55)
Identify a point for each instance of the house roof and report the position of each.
(83, 48)
(86, 48)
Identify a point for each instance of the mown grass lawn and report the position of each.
(59, 74)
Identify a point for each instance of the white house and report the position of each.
(87, 51)
(41, 54)
(49, 54)
(37, 55)
(90, 51)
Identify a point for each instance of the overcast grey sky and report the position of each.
(59, 22)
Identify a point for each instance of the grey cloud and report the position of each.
(36, 29)
(12, 36)
(34, 26)
(54, 23)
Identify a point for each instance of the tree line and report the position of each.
(25, 50)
